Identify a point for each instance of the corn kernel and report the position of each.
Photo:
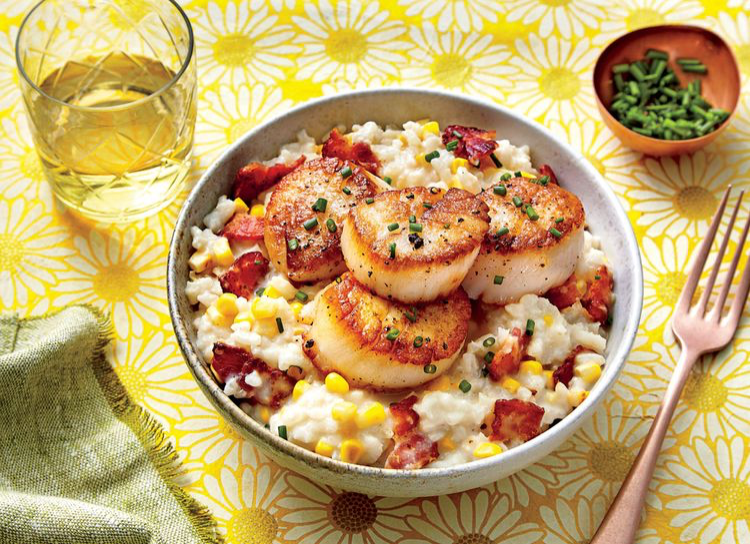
(372, 415)
(458, 163)
(575, 398)
(488, 449)
(420, 159)
(323, 448)
(336, 383)
(217, 318)
(532, 367)
(527, 175)
(296, 308)
(430, 128)
(511, 385)
(258, 210)
(222, 252)
(581, 286)
(589, 372)
(446, 444)
(548, 320)
(227, 304)
(265, 414)
(266, 327)
(550, 379)
(199, 261)
(240, 206)
(263, 308)
(271, 292)
(299, 389)
(403, 139)
(244, 317)
(351, 450)
(455, 183)
(344, 411)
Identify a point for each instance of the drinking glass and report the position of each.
(109, 87)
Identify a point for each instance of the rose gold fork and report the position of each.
(699, 332)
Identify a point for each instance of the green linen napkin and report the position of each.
(80, 463)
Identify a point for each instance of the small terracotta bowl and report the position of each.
(720, 86)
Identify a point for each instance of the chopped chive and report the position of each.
(257, 262)
(517, 174)
(450, 146)
(530, 327)
(559, 220)
(503, 231)
(427, 205)
(392, 334)
(496, 161)
(531, 213)
(320, 205)
(687, 60)
(501, 190)
(369, 200)
(489, 356)
(457, 134)
(412, 315)
(428, 369)
(609, 320)
(464, 386)
(657, 54)
(498, 280)
(505, 177)
(331, 225)
(392, 249)
(282, 432)
(310, 223)
(292, 244)
(415, 227)
(620, 68)
(418, 341)
(694, 68)
(346, 171)
(432, 156)
(544, 180)
(388, 180)
(488, 341)
(279, 325)
(410, 196)
(554, 232)
(412, 219)
(597, 277)
(347, 190)
(517, 201)
(259, 292)
(392, 227)
(301, 296)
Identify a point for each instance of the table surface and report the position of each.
(257, 58)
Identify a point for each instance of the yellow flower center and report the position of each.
(346, 46)
(252, 526)
(300, 89)
(31, 167)
(12, 251)
(234, 50)
(506, 32)
(238, 128)
(559, 83)
(129, 13)
(352, 512)
(731, 499)
(704, 392)
(135, 382)
(669, 286)
(610, 461)
(116, 283)
(473, 538)
(639, 18)
(451, 70)
(696, 203)
(743, 57)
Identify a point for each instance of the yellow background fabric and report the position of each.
(257, 58)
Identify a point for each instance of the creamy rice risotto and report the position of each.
(401, 297)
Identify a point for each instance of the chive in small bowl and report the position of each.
(694, 54)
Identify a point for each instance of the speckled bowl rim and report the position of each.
(615, 360)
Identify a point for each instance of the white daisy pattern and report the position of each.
(465, 15)
(351, 41)
(20, 168)
(553, 80)
(569, 18)
(10, 96)
(571, 525)
(628, 15)
(532, 482)
(469, 63)
(736, 30)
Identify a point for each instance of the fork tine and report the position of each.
(683, 304)
(738, 304)
(701, 308)
(716, 312)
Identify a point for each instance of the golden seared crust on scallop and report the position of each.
(533, 243)
(416, 244)
(299, 239)
(381, 344)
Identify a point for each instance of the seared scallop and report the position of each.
(305, 215)
(414, 245)
(383, 345)
(533, 244)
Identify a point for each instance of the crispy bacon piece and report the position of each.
(508, 359)
(598, 296)
(244, 227)
(516, 419)
(565, 295)
(232, 361)
(244, 273)
(360, 152)
(564, 372)
(413, 449)
(546, 170)
(254, 178)
(473, 144)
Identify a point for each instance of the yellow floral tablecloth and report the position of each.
(257, 58)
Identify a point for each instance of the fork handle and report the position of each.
(624, 516)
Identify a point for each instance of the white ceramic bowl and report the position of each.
(606, 219)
